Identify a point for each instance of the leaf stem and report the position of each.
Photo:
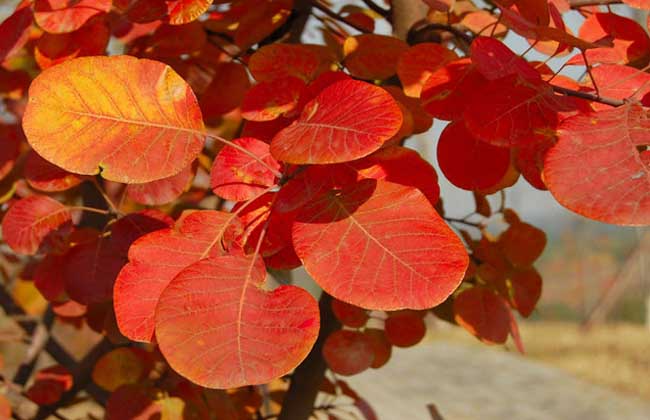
(111, 204)
(90, 210)
(588, 96)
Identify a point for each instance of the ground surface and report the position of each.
(472, 382)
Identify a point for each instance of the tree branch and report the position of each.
(308, 377)
(338, 17)
(588, 96)
(378, 9)
(576, 4)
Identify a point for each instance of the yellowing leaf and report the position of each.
(135, 120)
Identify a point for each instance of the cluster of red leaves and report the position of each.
(218, 160)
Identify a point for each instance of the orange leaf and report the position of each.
(281, 60)
(62, 16)
(218, 327)
(372, 56)
(418, 62)
(133, 120)
(162, 191)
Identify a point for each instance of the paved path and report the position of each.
(479, 383)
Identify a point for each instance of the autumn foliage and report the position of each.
(165, 164)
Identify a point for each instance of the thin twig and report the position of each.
(588, 96)
(576, 4)
(338, 17)
(378, 9)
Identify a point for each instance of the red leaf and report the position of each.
(184, 11)
(447, 91)
(92, 268)
(348, 120)
(518, 112)
(35, 224)
(90, 39)
(218, 327)
(237, 176)
(48, 277)
(527, 289)
(419, 62)
(267, 101)
(14, 31)
(470, 163)
(349, 315)
(162, 191)
(275, 61)
(399, 165)
(484, 314)
(621, 82)
(494, 60)
(154, 260)
(372, 56)
(132, 402)
(348, 352)
(596, 170)
(44, 176)
(382, 348)
(360, 243)
(522, 244)
(49, 385)
(226, 91)
(405, 329)
(62, 16)
(631, 44)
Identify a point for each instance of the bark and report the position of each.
(308, 377)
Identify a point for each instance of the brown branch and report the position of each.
(82, 379)
(417, 31)
(588, 96)
(576, 4)
(378, 9)
(308, 377)
(338, 17)
(302, 10)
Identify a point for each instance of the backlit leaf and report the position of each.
(274, 61)
(382, 348)
(35, 224)
(268, 100)
(14, 30)
(136, 120)
(418, 62)
(217, 325)
(526, 290)
(90, 39)
(522, 244)
(162, 191)
(348, 120)
(372, 56)
(62, 16)
(49, 385)
(596, 168)
(237, 176)
(446, 92)
(184, 11)
(44, 176)
(155, 260)
(379, 245)
(226, 91)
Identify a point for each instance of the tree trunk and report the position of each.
(307, 378)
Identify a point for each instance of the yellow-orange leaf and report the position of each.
(134, 120)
